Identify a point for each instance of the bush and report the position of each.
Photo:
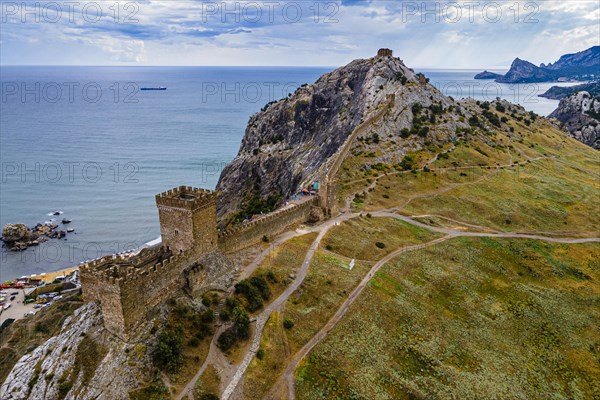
(206, 301)
(241, 323)
(209, 396)
(265, 239)
(227, 339)
(380, 245)
(194, 342)
(208, 316)
(288, 323)
(168, 354)
(224, 315)
(260, 354)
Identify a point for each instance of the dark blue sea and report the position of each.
(88, 142)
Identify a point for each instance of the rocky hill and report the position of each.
(560, 92)
(291, 142)
(578, 66)
(579, 114)
(488, 75)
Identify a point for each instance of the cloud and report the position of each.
(165, 32)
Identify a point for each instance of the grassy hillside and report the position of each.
(469, 318)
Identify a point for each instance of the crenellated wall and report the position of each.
(270, 225)
(129, 286)
(126, 292)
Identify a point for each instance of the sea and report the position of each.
(90, 144)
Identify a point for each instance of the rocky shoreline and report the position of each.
(18, 237)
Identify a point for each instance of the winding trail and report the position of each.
(288, 375)
(262, 318)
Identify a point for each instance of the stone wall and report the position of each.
(126, 292)
(129, 286)
(269, 225)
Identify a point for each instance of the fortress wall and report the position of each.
(126, 292)
(143, 289)
(269, 225)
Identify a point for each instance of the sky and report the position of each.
(424, 34)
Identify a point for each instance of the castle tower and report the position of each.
(188, 220)
(382, 53)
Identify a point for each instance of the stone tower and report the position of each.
(188, 220)
(385, 53)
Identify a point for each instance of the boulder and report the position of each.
(15, 232)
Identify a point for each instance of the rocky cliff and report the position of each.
(560, 92)
(291, 142)
(522, 71)
(589, 58)
(583, 65)
(579, 114)
(81, 362)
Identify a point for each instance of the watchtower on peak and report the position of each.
(381, 53)
(188, 220)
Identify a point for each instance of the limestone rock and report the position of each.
(578, 115)
(291, 143)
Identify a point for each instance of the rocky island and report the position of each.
(488, 75)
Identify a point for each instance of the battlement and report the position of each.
(186, 198)
(266, 219)
(124, 269)
(129, 285)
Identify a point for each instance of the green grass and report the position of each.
(469, 318)
(544, 196)
(357, 238)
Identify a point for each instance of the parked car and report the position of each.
(59, 297)
(37, 306)
(6, 306)
(14, 293)
(12, 298)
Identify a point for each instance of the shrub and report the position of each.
(209, 396)
(260, 354)
(380, 245)
(208, 316)
(206, 301)
(288, 323)
(265, 239)
(241, 322)
(168, 354)
(224, 315)
(227, 339)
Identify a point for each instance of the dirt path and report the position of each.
(288, 375)
(262, 318)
